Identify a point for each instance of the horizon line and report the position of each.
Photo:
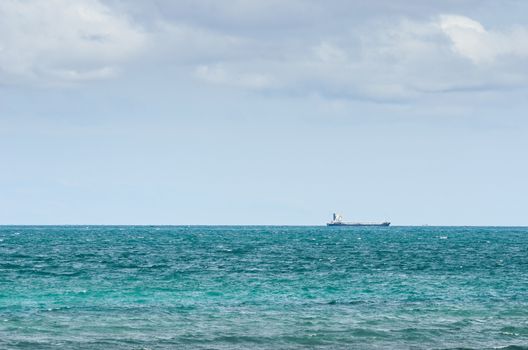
(251, 225)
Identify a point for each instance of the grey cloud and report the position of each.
(377, 49)
(381, 50)
(63, 41)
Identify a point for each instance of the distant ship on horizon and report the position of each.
(337, 220)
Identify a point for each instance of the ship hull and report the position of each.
(357, 224)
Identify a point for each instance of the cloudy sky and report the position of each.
(263, 112)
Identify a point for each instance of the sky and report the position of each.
(263, 112)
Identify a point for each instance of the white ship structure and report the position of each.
(337, 220)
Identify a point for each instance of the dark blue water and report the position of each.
(263, 287)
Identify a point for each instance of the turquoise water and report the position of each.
(263, 287)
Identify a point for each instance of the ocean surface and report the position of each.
(124, 287)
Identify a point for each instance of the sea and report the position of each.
(263, 287)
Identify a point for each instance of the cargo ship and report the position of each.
(337, 220)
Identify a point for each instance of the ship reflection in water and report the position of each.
(337, 220)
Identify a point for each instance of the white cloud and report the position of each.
(287, 46)
(55, 41)
(76, 75)
(470, 39)
(385, 60)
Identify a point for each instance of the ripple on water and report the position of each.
(263, 287)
